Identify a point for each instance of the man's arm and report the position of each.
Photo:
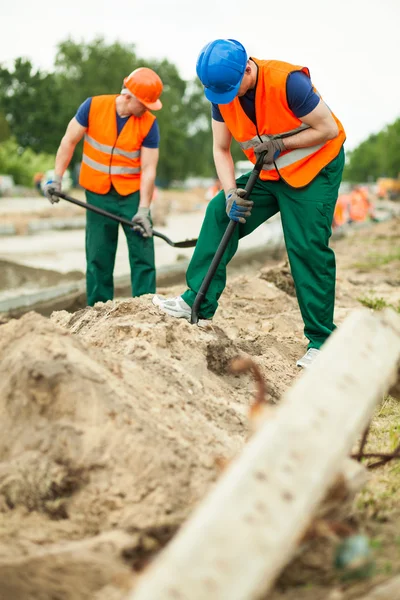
(141, 220)
(149, 160)
(238, 208)
(222, 155)
(322, 125)
(72, 137)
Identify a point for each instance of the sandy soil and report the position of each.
(117, 419)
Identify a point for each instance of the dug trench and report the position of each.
(118, 419)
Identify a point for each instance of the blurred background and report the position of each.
(53, 57)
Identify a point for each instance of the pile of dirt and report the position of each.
(118, 417)
(116, 420)
(281, 276)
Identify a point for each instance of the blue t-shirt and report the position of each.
(300, 95)
(152, 139)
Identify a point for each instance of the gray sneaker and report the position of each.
(176, 307)
(306, 361)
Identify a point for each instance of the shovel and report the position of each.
(105, 213)
(223, 244)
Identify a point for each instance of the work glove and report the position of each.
(142, 223)
(238, 207)
(51, 186)
(272, 147)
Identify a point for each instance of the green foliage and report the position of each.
(378, 156)
(38, 105)
(31, 101)
(22, 163)
(377, 303)
(5, 131)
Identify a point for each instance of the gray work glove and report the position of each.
(142, 222)
(238, 207)
(272, 147)
(51, 186)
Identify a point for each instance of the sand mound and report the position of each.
(116, 421)
(118, 417)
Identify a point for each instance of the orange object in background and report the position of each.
(341, 214)
(37, 178)
(388, 188)
(359, 206)
(353, 207)
(213, 190)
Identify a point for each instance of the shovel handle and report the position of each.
(122, 221)
(223, 244)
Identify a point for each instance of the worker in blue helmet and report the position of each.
(271, 107)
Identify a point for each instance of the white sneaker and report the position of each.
(176, 307)
(306, 361)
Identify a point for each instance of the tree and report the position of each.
(5, 131)
(30, 101)
(22, 163)
(378, 156)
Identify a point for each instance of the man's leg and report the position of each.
(307, 215)
(141, 250)
(101, 246)
(213, 228)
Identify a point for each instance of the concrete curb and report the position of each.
(72, 296)
(56, 224)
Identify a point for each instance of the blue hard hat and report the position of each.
(220, 67)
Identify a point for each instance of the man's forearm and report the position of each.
(310, 137)
(63, 157)
(225, 168)
(147, 182)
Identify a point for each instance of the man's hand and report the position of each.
(141, 223)
(51, 186)
(238, 207)
(272, 147)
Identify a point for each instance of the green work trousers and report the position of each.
(306, 215)
(101, 248)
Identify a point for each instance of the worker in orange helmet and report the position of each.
(118, 170)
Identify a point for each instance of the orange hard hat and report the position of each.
(146, 86)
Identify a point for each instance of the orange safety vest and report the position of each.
(274, 118)
(109, 158)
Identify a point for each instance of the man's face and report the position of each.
(133, 106)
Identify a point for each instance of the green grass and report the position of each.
(377, 260)
(381, 495)
(377, 303)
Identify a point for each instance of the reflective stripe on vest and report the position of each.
(109, 149)
(292, 157)
(109, 170)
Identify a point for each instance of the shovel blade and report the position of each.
(185, 244)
